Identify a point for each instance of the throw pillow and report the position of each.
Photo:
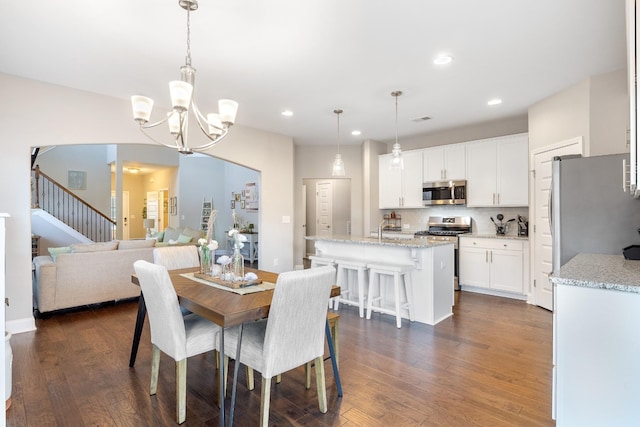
(158, 236)
(136, 244)
(184, 239)
(171, 233)
(54, 252)
(195, 234)
(95, 247)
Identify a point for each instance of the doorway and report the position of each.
(328, 209)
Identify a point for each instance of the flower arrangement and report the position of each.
(238, 238)
(207, 248)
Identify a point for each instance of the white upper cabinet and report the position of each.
(400, 188)
(498, 171)
(445, 162)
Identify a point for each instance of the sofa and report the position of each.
(177, 236)
(88, 273)
(83, 274)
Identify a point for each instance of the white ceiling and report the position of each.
(313, 56)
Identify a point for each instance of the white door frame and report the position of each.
(535, 229)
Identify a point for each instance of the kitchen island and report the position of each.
(596, 344)
(431, 276)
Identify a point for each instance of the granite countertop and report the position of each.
(407, 243)
(495, 236)
(600, 272)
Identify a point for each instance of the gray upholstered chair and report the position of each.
(172, 333)
(175, 257)
(293, 334)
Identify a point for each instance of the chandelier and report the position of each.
(215, 126)
(338, 164)
(396, 158)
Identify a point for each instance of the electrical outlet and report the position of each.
(275, 262)
(407, 226)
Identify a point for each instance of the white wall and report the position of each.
(483, 130)
(53, 115)
(595, 108)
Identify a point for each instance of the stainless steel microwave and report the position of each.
(444, 193)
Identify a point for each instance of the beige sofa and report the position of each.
(92, 273)
(88, 274)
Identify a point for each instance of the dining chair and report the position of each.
(176, 335)
(291, 336)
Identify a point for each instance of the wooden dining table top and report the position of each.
(222, 307)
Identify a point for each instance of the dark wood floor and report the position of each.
(489, 365)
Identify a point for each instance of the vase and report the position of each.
(237, 265)
(205, 261)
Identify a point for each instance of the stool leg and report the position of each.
(409, 291)
(373, 276)
(361, 280)
(341, 281)
(396, 290)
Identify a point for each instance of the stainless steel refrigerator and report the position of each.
(590, 212)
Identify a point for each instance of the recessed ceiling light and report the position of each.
(356, 133)
(442, 60)
(495, 101)
(287, 113)
(133, 170)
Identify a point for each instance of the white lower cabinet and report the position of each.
(493, 264)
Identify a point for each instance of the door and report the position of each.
(152, 209)
(542, 244)
(324, 208)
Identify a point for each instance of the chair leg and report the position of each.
(181, 391)
(155, 367)
(322, 388)
(307, 375)
(265, 396)
(250, 381)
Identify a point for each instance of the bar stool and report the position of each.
(397, 272)
(347, 287)
(318, 261)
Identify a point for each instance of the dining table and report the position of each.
(225, 308)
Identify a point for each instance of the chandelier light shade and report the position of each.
(338, 164)
(396, 158)
(214, 126)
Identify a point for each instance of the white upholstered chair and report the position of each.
(175, 257)
(292, 335)
(172, 333)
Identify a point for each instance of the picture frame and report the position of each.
(237, 197)
(77, 180)
(233, 204)
(206, 205)
(241, 204)
(173, 205)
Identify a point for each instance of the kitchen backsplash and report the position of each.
(480, 217)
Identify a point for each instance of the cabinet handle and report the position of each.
(486, 256)
(494, 198)
(498, 197)
(491, 256)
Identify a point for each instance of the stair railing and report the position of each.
(58, 201)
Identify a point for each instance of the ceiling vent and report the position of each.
(421, 119)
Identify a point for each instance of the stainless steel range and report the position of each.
(447, 229)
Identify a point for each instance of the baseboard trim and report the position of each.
(18, 326)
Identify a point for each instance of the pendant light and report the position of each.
(338, 164)
(396, 158)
